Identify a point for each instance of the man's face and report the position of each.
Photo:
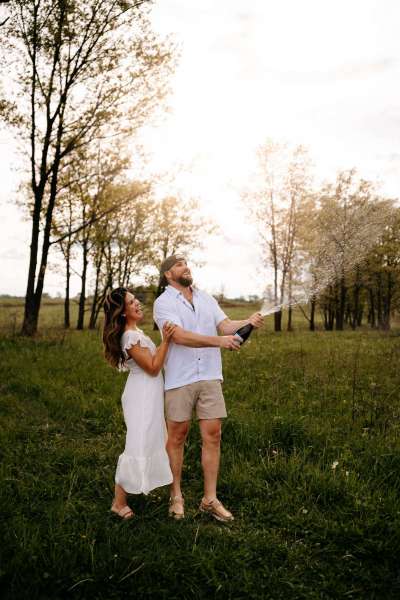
(180, 273)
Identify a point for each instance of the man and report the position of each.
(193, 375)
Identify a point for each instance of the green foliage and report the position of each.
(310, 467)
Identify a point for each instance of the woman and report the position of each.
(144, 464)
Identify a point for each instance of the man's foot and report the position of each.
(125, 512)
(176, 507)
(216, 509)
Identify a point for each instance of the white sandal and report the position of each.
(176, 500)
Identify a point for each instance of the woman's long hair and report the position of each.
(114, 325)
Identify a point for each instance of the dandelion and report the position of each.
(334, 465)
(347, 473)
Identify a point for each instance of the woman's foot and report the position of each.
(125, 512)
(176, 507)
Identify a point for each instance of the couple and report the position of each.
(190, 321)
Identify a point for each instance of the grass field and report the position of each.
(310, 468)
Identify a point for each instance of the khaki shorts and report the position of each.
(206, 396)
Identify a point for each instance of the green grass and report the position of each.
(298, 403)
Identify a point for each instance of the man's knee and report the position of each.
(211, 432)
(177, 432)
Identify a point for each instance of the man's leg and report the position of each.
(177, 434)
(210, 457)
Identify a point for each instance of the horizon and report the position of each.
(238, 82)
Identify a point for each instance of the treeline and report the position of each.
(77, 80)
(128, 234)
(333, 248)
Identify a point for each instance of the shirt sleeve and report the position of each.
(218, 313)
(163, 312)
(131, 338)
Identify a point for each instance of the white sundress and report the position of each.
(144, 464)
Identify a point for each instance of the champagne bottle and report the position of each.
(243, 333)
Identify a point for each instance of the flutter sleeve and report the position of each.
(131, 338)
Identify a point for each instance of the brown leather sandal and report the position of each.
(216, 509)
(174, 503)
(125, 513)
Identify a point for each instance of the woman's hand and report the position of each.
(168, 331)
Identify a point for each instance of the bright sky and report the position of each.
(324, 74)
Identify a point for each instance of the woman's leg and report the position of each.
(120, 497)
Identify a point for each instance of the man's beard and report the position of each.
(185, 281)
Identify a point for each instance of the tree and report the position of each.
(85, 71)
(179, 227)
(121, 244)
(350, 219)
(381, 276)
(282, 186)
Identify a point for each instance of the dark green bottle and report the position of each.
(243, 333)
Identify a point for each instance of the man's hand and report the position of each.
(230, 342)
(257, 320)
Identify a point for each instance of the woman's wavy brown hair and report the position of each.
(114, 325)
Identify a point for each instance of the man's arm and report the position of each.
(189, 338)
(196, 340)
(228, 327)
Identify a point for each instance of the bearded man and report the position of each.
(193, 376)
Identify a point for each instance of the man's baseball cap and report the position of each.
(167, 264)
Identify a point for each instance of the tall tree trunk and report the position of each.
(31, 310)
(341, 305)
(312, 314)
(289, 323)
(45, 248)
(33, 298)
(356, 301)
(82, 297)
(67, 320)
(97, 308)
(387, 303)
(379, 300)
(278, 321)
(93, 318)
(371, 314)
(290, 298)
(360, 315)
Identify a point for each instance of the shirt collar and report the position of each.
(172, 290)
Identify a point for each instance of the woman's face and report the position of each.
(132, 310)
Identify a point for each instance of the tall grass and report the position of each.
(310, 468)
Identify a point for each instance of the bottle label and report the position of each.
(239, 338)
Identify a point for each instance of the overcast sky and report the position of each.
(324, 74)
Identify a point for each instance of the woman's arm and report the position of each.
(153, 364)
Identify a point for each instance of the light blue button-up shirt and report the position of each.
(186, 365)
